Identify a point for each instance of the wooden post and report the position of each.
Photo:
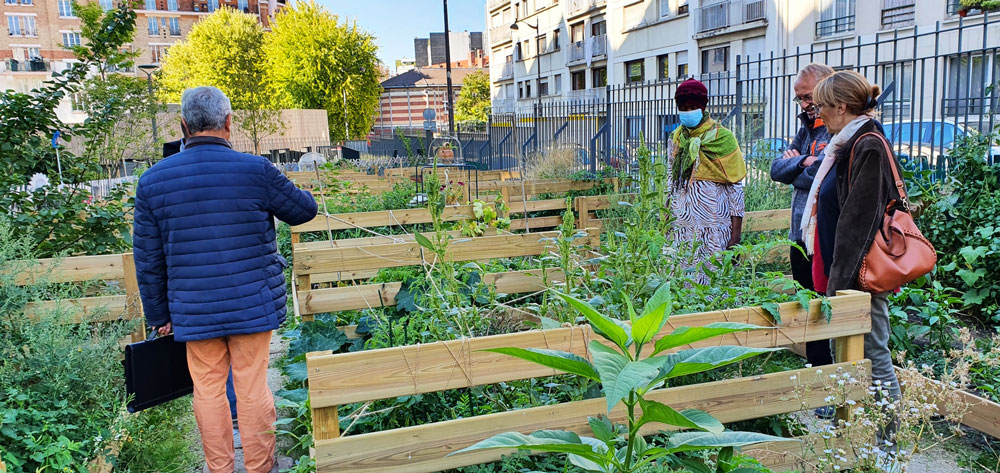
(303, 282)
(505, 195)
(326, 423)
(295, 238)
(582, 213)
(133, 302)
(851, 348)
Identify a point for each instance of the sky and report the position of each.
(396, 22)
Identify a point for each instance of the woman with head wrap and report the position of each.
(707, 168)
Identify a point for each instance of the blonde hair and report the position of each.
(848, 88)
(815, 70)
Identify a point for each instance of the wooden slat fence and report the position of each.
(339, 379)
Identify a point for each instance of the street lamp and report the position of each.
(149, 69)
(538, 81)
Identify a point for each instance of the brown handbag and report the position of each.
(900, 253)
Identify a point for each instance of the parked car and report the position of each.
(925, 141)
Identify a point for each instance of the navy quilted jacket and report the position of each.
(204, 241)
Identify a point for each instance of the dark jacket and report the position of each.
(810, 140)
(204, 240)
(862, 204)
(171, 148)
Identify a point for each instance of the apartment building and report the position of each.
(431, 50)
(39, 32)
(569, 50)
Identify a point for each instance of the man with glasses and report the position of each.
(797, 166)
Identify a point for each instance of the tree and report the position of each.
(60, 216)
(317, 62)
(226, 50)
(473, 104)
(104, 55)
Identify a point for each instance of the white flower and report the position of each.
(793, 377)
(38, 181)
(809, 365)
(819, 371)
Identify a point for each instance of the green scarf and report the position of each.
(715, 151)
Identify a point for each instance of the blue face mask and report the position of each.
(691, 118)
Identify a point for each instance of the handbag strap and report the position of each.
(897, 180)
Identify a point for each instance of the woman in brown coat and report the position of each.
(864, 186)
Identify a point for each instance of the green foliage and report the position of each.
(160, 439)
(120, 107)
(315, 61)
(473, 104)
(959, 217)
(226, 50)
(41, 427)
(103, 37)
(485, 216)
(924, 310)
(626, 377)
(61, 218)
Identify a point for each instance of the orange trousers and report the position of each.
(209, 362)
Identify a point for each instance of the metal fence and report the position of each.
(937, 84)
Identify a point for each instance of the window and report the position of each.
(662, 67)
(543, 87)
(633, 127)
(159, 51)
(555, 40)
(540, 44)
(151, 4)
(664, 8)
(70, 39)
(518, 53)
(557, 84)
(635, 71)
(898, 13)
(682, 7)
(244, 5)
(715, 60)
(175, 27)
(836, 16)
(66, 8)
(213, 5)
(10, 2)
(578, 80)
(172, 5)
(599, 28)
(34, 52)
(27, 2)
(576, 32)
(520, 90)
(599, 76)
(897, 105)
(968, 77)
(107, 4)
(527, 89)
(76, 102)
(682, 64)
(21, 25)
(153, 25)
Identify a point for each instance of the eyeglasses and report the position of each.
(818, 106)
(806, 98)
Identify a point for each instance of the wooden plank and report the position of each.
(424, 448)
(536, 223)
(133, 301)
(71, 269)
(400, 371)
(982, 414)
(110, 308)
(384, 218)
(409, 254)
(766, 220)
(366, 296)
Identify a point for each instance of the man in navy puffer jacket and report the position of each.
(208, 268)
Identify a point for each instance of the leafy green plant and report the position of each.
(927, 310)
(485, 217)
(626, 377)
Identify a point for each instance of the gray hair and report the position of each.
(816, 71)
(205, 108)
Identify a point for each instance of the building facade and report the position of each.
(580, 46)
(431, 51)
(405, 97)
(39, 32)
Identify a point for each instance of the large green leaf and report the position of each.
(559, 360)
(703, 359)
(688, 441)
(423, 241)
(653, 317)
(619, 375)
(653, 411)
(609, 328)
(661, 298)
(541, 441)
(687, 335)
(602, 427)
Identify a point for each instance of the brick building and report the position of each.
(39, 31)
(405, 96)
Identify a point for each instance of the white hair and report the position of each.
(205, 108)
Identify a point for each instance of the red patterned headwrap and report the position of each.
(692, 94)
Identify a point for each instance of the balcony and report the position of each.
(595, 47)
(33, 65)
(834, 26)
(898, 13)
(494, 4)
(727, 13)
(500, 34)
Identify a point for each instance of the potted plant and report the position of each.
(445, 153)
(966, 6)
